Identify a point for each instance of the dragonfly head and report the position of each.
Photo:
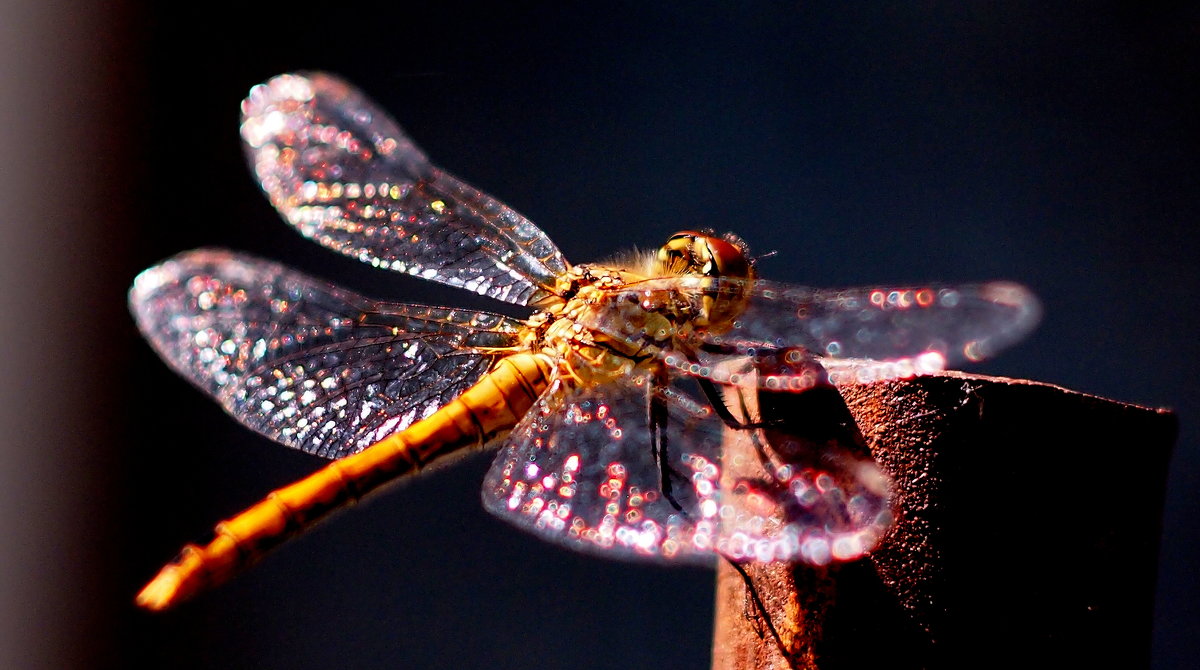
(690, 252)
(703, 253)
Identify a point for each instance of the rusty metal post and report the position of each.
(1027, 534)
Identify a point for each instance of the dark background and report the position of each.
(893, 143)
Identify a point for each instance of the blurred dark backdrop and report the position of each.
(1056, 146)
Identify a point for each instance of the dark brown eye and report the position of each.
(729, 259)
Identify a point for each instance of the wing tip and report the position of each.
(146, 283)
(1018, 297)
(296, 87)
(155, 284)
(152, 279)
(266, 107)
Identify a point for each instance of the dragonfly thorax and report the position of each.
(696, 282)
(607, 321)
(599, 330)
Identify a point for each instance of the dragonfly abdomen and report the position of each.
(492, 406)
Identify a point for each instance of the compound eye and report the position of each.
(728, 260)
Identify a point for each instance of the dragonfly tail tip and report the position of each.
(162, 591)
(176, 582)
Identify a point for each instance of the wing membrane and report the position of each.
(862, 334)
(344, 174)
(963, 323)
(580, 471)
(307, 364)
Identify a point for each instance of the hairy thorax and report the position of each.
(598, 329)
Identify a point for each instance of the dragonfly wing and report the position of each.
(342, 172)
(867, 333)
(962, 323)
(580, 471)
(305, 363)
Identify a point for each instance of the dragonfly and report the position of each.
(617, 404)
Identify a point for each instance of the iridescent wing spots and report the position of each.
(344, 174)
(861, 334)
(580, 471)
(305, 363)
(337, 401)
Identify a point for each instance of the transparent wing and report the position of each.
(580, 471)
(860, 334)
(305, 363)
(962, 323)
(344, 174)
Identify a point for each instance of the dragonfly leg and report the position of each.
(760, 609)
(658, 441)
(658, 417)
(717, 401)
